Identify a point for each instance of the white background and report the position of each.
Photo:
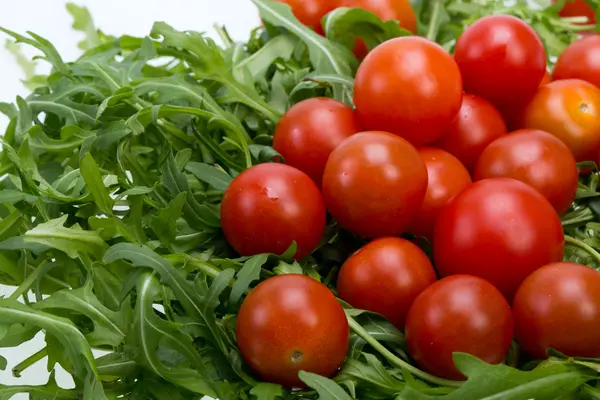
(50, 19)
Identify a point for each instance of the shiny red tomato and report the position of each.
(478, 124)
(374, 184)
(387, 10)
(515, 113)
(292, 323)
(460, 313)
(447, 178)
(385, 277)
(581, 60)
(570, 110)
(499, 229)
(310, 130)
(578, 8)
(536, 158)
(501, 59)
(397, 84)
(310, 12)
(558, 306)
(268, 206)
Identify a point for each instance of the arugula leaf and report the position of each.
(82, 21)
(327, 389)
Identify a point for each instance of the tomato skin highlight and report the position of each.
(558, 306)
(267, 207)
(581, 60)
(460, 313)
(536, 158)
(374, 184)
(478, 124)
(398, 82)
(499, 229)
(570, 110)
(310, 130)
(310, 12)
(385, 277)
(501, 59)
(447, 178)
(290, 323)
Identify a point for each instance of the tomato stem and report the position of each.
(388, 355)
(584, 246)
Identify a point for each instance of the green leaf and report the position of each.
(50, 390)
(267, 391)
(82, 21)
(249, 273)
(8, 196)
(91, 173)
(212, 175)
(327, 389)
(164, 224)
(27, 66)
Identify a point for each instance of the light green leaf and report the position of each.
(267, 391)
(164, 224)
(327, 389)
(82, 21)
(212, 175)
(91, 173)
(249, 273)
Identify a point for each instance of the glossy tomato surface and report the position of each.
(570, 110)
(310, 12)
(501, 59)
(374, 184)
(581, 60)
(268, 206)
(292, 323)
(447, 178)
(499, 229)
(385, 277)
(398, 83)
(310, 130)
(578, 8)
(534, 157)
(478, 124)
(460, 313)
(558, 306)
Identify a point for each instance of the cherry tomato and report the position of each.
(570, 110)
(499, 229)
(292, 323)
(558, 306)
(447, 178)
(310, 12)
(536, 158)
(397, 84)
(310, 130)
(578, 8)
(387, 10)
(268, 206)
(581, 60)
(501, 59)
(460, 313)
(374, 184)
(514, 114)
(478, 124)
(385, 276)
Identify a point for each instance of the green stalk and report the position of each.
(28, 362)
(31, 278)
(433, 30)
(589, 249)
(388, 355)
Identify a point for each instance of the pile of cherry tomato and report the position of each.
(474, 151)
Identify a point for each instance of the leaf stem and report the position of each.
(584, 246)
(31, 278)
(29, 361)
(388, 355)
(433, 30)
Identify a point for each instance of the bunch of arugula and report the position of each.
(112, 173)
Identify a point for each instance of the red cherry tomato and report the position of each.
(478, 124)
(385, 276)
(514, 114)
(558, 306)
(374, 184)
(310, 130)
(499, 229)
(447, 178)
(387, 10)
(268, 206)
(581, 60)
(292, 323)
(460, 313)
(536, 158)
(310, 12)
(578, 8)
(397, 84)
(501, 59)
(570, 110)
